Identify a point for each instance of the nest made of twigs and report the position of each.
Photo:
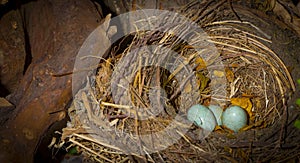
(251, 69)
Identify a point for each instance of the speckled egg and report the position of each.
(202, 117)
(217, 110)
(234, 118)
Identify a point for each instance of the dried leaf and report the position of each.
(218, 73)
(188, 88)
(201, 64)
(247, 95)
(229, 75)
(202, 81)
(257, 124)
(218, 128)
(234, 65)
(228, 149)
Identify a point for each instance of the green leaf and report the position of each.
(73, 151)
(298, 101)
(298, 81)
(297, 123)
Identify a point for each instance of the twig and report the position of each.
(86, 148)
(187, 140)
(265, 89)
(238, 22)
(222, 29)
(96, 141)
(235, 14)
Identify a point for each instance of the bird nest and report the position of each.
(135, 107)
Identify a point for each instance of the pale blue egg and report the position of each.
(235, 118)
(217, 110)
(202, 117)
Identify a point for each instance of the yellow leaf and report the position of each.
(219, 74)
(229, 75)
(247, 95)
(188, 88)
(245, 103)
(234, 65)
(218, 128)
(201, 64)
(255, 125)
(202, 81)
(228, 149)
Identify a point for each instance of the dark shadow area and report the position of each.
(3, 91)
(43, 154)
(12, 5)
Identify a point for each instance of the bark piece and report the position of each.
(12, 50)
(56, 31)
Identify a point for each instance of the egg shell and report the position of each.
(217, 111)
(202, 117)
(234, 118)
